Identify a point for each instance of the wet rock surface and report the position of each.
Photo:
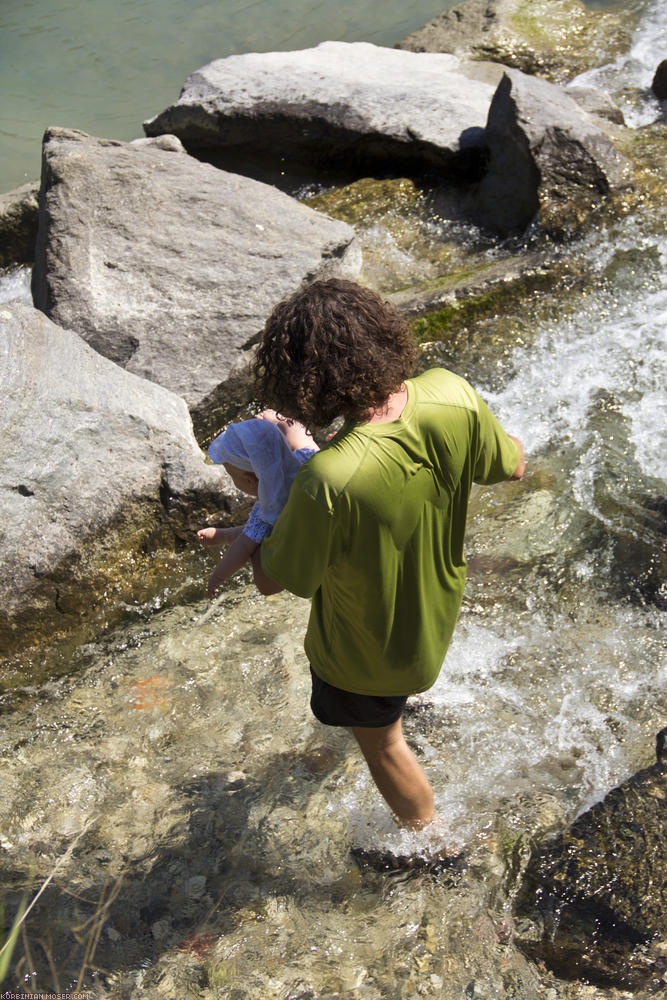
(482, 287)
(553, 40)
(592, 902)
(596, 102)
(548, 160)
(18, 225)
(351, 107)
(168, 266)
(95, 463)
(659, 82)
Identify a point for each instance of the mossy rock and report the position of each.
(368, 199)
(406, 233)
(555, 40)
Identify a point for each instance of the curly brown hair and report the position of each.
(333, 349)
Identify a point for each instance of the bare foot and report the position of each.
(297, 435)
(218, 536)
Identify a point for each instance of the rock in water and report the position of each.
(353, 107)
(594, 900)
(549, 160)
(554, 40)
(659, 84)
(93, 461)
(169, 266)
(18, 225)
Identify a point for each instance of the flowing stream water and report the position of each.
(170, 777)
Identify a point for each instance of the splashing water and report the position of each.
(628, 79)
(15, 285)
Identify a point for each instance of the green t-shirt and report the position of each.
(373, 532)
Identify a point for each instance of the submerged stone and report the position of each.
(592, 901)
(410, 235)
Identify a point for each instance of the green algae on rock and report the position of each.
(553, 40)
(408, 233)
(99, 468)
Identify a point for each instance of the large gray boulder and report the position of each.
(94, 463)
(344, 106)
(555, 39)
(549, 161)
(169, 266)
(592, 902)
(18, 225)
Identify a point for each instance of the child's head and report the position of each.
(245, 481)
(259, 461)
(333, 349)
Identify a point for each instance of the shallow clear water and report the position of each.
(106, 67)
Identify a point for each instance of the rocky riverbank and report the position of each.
(465, 190)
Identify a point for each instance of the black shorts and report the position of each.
(335, 707)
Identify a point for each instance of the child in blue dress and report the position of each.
(261, 457)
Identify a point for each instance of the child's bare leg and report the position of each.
(297, 435)
(397, 774)
(218, 536)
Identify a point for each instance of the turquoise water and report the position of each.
(105, 67)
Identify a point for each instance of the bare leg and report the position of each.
(395, 771)
(297, 435)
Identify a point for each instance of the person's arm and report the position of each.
(521, 467)
(264, 583)
(237, 555)
(496, 451)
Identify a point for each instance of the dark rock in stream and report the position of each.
(170, 267)
(549, 160)
(19, 212)
(555, 40)
(659, 84)
(593, 901)
(352, 107)
(93, 461)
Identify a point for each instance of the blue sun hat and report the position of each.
(258, 446)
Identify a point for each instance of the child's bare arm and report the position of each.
(236, 556)
(219, 536)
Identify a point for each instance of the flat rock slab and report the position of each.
(340, 105)
(168, 266)
(549, 161)
(93, 460)
(486, 280)
(592, 901)
(556, 40)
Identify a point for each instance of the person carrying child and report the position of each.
(373, 528)
(261, 457)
